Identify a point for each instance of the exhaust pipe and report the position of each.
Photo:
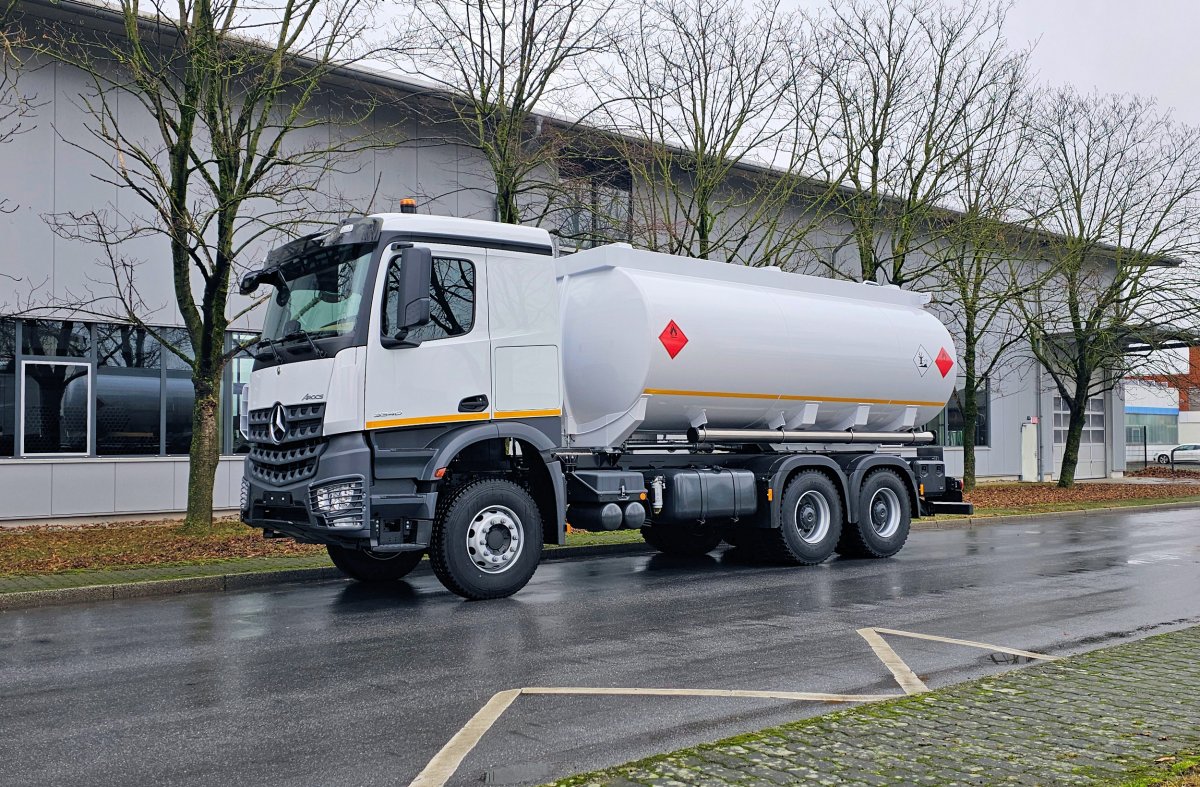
(705, 435)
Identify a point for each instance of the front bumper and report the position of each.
(390, 516)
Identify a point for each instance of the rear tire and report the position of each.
(884, 518)
(487, 539)
(682, 540)
(810, 522)
(373, 568)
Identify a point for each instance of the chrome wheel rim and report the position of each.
(495, 539)
(812, 517)
(885, 513)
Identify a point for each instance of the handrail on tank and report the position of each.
(705, 435)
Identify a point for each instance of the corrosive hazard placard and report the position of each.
(673, 338)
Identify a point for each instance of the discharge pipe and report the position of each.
(703, 434)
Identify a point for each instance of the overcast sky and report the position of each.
(1117, 46)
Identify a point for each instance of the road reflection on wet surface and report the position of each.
(339, 683)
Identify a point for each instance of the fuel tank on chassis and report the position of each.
(658, 343)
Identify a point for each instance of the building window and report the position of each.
(948, 426)
(451, 300)
(8, 387)
(178, 393)
(128, 391)
(1154, 429)
(598, 210)
(237, 377)
(1093, 424)
(55, 403)
(56, 339)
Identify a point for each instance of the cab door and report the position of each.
(447, 377)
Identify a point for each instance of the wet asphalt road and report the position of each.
(335, 684)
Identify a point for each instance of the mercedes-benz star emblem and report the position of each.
(277, 425)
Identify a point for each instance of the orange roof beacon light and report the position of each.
(408, 205)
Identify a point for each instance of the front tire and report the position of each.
(884, 518)
(487, 540)
(810, 522)
(373, 568)
(1163, 459)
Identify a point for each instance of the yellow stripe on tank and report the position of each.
(429, 420)
(785, 397)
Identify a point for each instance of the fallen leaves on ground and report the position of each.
(1009, 496)
(43, 549)
(1165, 471)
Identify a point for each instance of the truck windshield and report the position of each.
(319, 293)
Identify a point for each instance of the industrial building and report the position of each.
(95, 415)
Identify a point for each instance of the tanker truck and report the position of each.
(454, 387)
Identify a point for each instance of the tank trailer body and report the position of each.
(453, 387)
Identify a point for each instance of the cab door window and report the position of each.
(451, 300)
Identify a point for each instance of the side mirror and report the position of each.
(249, 282)
(410, 275)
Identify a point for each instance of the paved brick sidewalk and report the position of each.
(1099, 718)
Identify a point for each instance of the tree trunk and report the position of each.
(1066, 476)
(970, 413)
(203, 457)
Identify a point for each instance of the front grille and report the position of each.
(285, 464)
(303, 423)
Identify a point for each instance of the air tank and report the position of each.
(655, 343)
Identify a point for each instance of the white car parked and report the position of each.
(1188, 452)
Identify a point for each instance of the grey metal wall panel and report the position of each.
(144, 486)
(25, 489)
(83, 488)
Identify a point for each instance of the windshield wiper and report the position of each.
(300, 333)
(270, 345)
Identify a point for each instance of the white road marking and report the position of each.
(446, 762)
(803, 696)
(907, 679)
(968, 643)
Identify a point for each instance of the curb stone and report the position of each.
(257, 579)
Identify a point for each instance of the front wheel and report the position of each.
(884, 518)
(374, 568)
(487, 540)
(1163, 459)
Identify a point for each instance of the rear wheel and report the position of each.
(373, 567)
(884, 518)
(487, 540)
(682, 540)
(810, 522)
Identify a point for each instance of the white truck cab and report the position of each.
(408, 398)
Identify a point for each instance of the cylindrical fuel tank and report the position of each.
(658, 343)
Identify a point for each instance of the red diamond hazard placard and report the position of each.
(673, 338)
(944, 362)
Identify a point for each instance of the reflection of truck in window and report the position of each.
(129, 408)
(450, 387)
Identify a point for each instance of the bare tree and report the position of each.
(904, 81)
(975, 274)
(706, 91)
(505, 64)
(228, 87)
(16, 106)
(1116, 187)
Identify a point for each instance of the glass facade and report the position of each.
(1153, 428)
(74, 388)
(948, 426)
(8, 387)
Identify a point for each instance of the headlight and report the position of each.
(341, 503)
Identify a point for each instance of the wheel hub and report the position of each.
(885, 513)
(812, 517)
(495, 539)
